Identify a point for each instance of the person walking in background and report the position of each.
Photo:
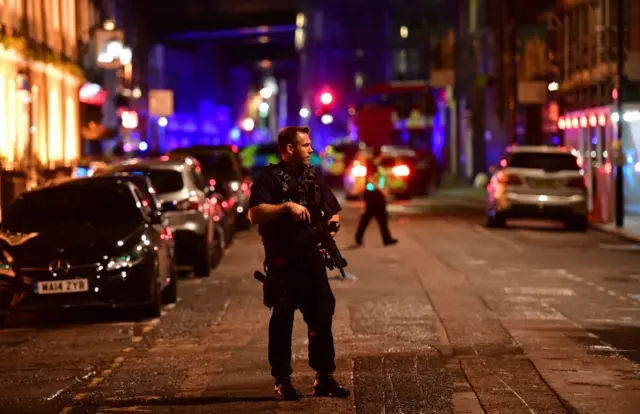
(375, 203)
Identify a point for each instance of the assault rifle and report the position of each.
(321, 227)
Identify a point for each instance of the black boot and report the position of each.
(285, 390)
(326, 386)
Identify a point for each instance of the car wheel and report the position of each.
(153, 309)
(578, 224)
(3, 321)
(216, 250)
(170, 292)
(202, 266)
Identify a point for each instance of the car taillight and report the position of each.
(577, 182)
(400, 171)
(510, 179)
(359, 171)
(188, 204)
(166, 234)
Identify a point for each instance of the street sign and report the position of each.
(161, 102)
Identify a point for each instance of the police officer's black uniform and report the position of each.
(294, 259)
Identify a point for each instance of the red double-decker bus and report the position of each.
(399, 113)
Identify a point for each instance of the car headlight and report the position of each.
(132, 258)
(235, 186)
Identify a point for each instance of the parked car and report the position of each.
(189, 205)
(90, 243)
(222, 170)
(538, 182)
(402, 174)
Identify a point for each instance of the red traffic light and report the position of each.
(326, 98)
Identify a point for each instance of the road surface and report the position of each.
(455, 318)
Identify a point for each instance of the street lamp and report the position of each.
(266, 93)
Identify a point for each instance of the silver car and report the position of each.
(189, 208)
(538, 182)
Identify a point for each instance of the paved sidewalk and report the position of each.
(631, 229)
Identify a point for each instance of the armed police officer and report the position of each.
(293, 264)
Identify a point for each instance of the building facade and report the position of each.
(588, 90)
(502, 72)
(341, 53)
(40, 79)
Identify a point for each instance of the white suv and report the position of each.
(538, 182)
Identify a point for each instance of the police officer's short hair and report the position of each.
(289, 135)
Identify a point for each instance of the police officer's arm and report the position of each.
(264, 213)
(262, 208)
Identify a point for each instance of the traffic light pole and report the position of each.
(619, 204)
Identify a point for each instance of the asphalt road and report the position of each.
(455, 318)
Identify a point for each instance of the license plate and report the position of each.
(543, 183)
(62, 286)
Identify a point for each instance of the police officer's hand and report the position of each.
(299, 212)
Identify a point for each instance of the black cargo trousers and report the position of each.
(306, 288)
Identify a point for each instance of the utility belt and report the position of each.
(282, 273)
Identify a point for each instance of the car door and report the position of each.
(163, 252)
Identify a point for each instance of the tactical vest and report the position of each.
(292, 189)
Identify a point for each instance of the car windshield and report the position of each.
(73, 204)
(544, 161)
(164, 181)
(219, 165)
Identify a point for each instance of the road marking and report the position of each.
(544, 291)
(75, 380)
(612, 293)
(94, 382)
(117, 361)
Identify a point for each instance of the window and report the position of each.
(75, 204)
(541, 161)
(198, 180)
(164, 181)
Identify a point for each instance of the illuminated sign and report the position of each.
(92, 94)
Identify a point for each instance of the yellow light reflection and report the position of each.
(4, 142)
(55, 127)
(71, 130)
(11, 122)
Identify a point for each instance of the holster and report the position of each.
(272, 288)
